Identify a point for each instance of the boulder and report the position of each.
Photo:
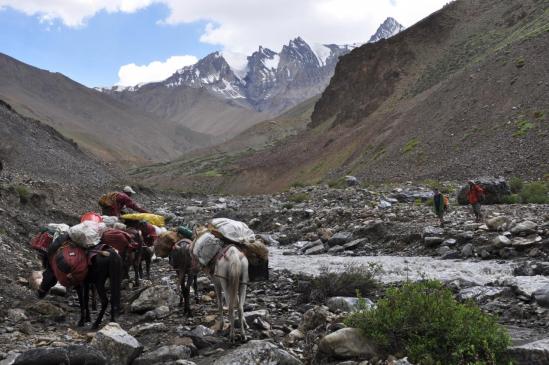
(432, 241)
(336, 249)
(501, 241)
(542, 296)
(164, 355)
(315, 250)
(293, 337)
(257, 352)
(351, 181)
(481, 293)
(353, 244)
(43, 308)
(347, 343)
(467, 250)
(118, 345)
(524, 242)
(313, 318)
(431, 231)
(154, 297)
(202, 331)
(146, 328)
(74, 354)
(340, 238)
(533, 353)
(524, 228)
(373, 229)
(499, 223)
(495, 189)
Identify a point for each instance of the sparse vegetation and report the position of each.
(516, 184)
(539, 115)
(339, 183)
(23, 192)
(424, 322)
(298, 184)
(410, 145)
(519, 62)
(511, 199)
(299, 197)
(212, 173)
(522, 128)
(352, 278)
(535, 193)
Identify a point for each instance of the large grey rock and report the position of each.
(467, 250)
(495, 189)
(336, 249)
(118, 345)
(431, 231)
(340, 238)
(432, 241)
(347, 343)
(351, 181)
(74, 354)
(542, 296)
(353, 244)
(524, 228)
(524, 242)
(533, 353)
(499, 223)
(164, 355)
(146, 328)
(501, 241)
(257, 352)
(481, 293)
(315, 250)
(202, 331)
(154, 297)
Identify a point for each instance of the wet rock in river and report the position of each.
(542, 296)
(533, 353)
(340, 238)
(524, 228)
(499, 223)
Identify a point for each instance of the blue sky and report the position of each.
(125, 42)
(92, 54)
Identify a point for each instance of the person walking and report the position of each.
(440, 203)
(475, 196)
(114, 203)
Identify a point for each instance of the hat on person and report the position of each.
(185, 232)
(128, 189)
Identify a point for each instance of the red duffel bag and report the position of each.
(42, 241)
(70, 265)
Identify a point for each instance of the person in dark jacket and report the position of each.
(121, 200)
(475, 196)
(439, 205)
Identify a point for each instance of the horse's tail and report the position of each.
(115, 275)
(234, 276)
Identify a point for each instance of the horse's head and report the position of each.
(163, 245)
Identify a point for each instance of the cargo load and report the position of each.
(153, 219)
(87, 234)
(70, 265)
(206, 247)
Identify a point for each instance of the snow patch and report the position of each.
(272, 63)
(321, 52)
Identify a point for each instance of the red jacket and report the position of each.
(119, 240)
(149, 234)
(122, 200)
(474, 194)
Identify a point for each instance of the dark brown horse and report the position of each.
(106, 264)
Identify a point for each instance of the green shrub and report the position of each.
(23, 193)
(298, 184)
(429, 202)
(538, 115)
(519, 62)
(353, 277)
(511, 199)
(288, 206)
(338, 183)
(516, 184)
(299, 197)
(410, 145)
(424, 321)
(522, 128)
(535, 193)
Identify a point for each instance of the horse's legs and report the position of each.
(134, 260)
(48, 281)
(195, 287)
(241, 300)
(219, 295)
(230, 302)
(148, 260)
(93, 296)
(86, 292)
(181, 281)
(186, 293)
(80, 292)
(102, 292)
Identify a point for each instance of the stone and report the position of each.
(74, 354)
(499, 223)
(43, 308)
(501, 241)
(533, 353)
(340, 238)
(116, 344)
(345, 304)
(316, 250)
(351, 181)
(353, 244)
(261, 313)
(431, 231)
(202, 331)
(522, 242)
(451, 255)
(313, 318)
(432, 241)
(157, 313)
(465, 236)
(293, 337)
(154, 297)
(336, 249)
(524, 228)
(384, 204)
(257, 352)
(443, 250)
(542, 296)
(17, 314)
(495, 189)
(347, 343)
(163, 355)
(467, 250)
(147, 328)
(449, 242)
(481, 293)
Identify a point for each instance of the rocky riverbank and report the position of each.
(500, 264)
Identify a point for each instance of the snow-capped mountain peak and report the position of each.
(387, 29)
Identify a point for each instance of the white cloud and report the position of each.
(132, 74)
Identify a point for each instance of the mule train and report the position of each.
(225, 250)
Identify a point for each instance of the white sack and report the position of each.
(87, 234)
(235, 231)
(206, 247)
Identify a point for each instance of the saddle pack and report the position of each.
(70, 265)
(42, 241)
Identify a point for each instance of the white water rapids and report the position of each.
(398, 269)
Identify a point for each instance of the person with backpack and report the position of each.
(114, 203)
(440, 203)
(475, 196)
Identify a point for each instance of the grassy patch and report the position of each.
(516, 184)
(410, 145)
(535, 193)
(519, 62)
(511, 199)
(299, 197)
(23, 192)
(211, 173)
(522, 128)
(347, 282)
(539, 115)
(339, 183)
(298, 184)
(424, 322)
